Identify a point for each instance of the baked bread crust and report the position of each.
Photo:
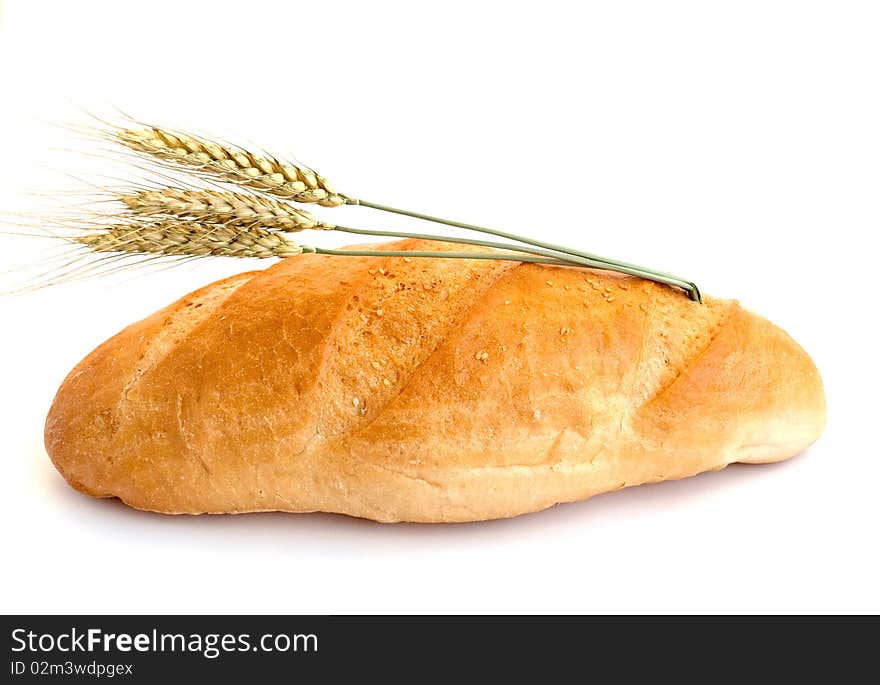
(426, 390)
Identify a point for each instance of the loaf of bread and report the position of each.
(426, 390)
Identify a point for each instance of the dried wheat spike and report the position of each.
(230, 209)
(232, 164)
(175, 238)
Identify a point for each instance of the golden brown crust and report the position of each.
(426, 390)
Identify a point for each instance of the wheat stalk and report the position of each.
(169, 238)
(302, 185)
(176, 238)
(231, 164)
(221, 207)
(199, 222)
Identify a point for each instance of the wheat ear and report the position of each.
(231, 164)
(175, 238)
(227, 208)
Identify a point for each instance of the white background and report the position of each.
(737, 143)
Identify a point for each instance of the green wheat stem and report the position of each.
(436, 255)
(613, 264)
(561, 257)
